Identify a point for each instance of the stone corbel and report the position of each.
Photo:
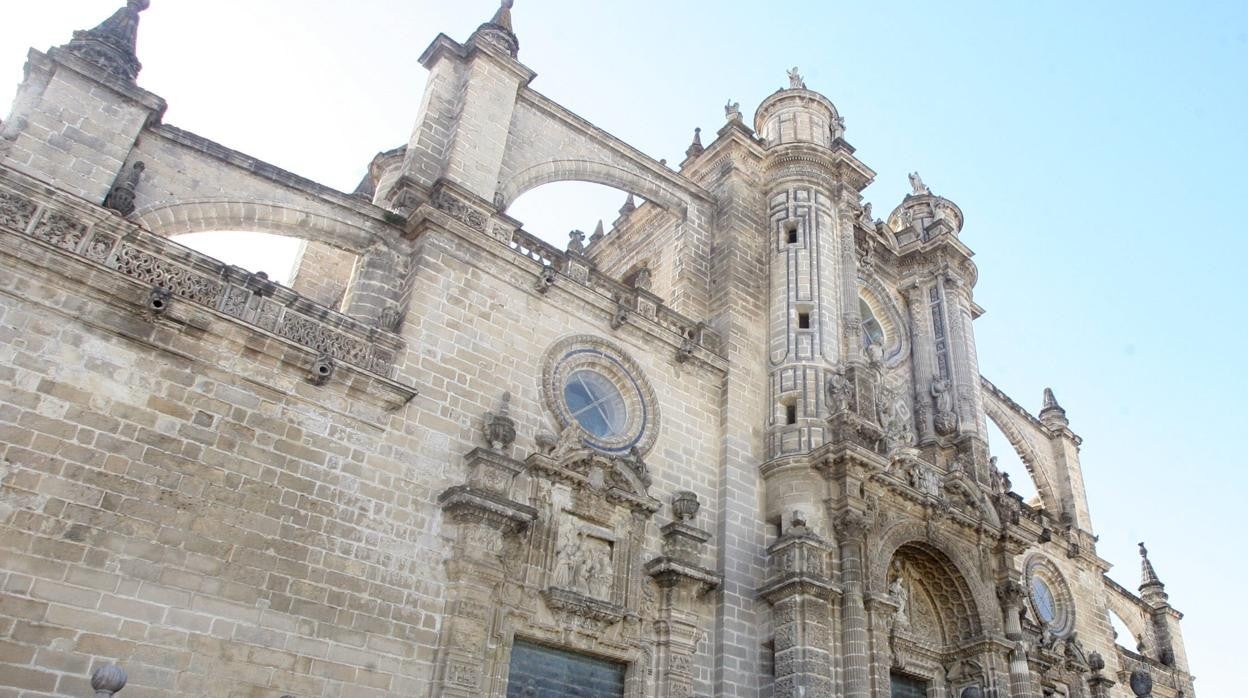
(622, 310)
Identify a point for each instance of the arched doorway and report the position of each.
(936, 622)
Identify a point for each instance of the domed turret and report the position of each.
(798, 115)
(923, 215)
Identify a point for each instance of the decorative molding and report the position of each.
(190, 276)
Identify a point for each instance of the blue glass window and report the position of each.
(595, 403)
(1042, 598)
(872, 332)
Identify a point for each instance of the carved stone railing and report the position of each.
(630, 300)
(1170, 677)
(182, 274)
(535, 249)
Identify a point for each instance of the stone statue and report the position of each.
(867, 217)
(916, 183)
(839, 392)
(576, 242)
(945, 421)
(893, 416)
(569, 441)
(732, 111)
(598, 572)
(940, 395)
(875, 357)
(795, 80)
(901, 597)
(643, 279)
(923, 478)
(567, 554)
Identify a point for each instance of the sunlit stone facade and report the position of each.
(732, 444)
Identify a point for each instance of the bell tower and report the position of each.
(812, 182)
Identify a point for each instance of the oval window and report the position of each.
(1042, 596)
(872, 332)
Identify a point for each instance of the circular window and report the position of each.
(1050, 598)
(595, 403)
(591, 383)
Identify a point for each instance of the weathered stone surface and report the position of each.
(436, 465)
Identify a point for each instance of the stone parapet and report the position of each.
(93, 236)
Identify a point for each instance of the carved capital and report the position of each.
(850, 525)
(1011, 594)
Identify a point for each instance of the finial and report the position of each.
(732, 111)
(1052, 413)
(917, 185)
(598, 232)
(685, 505)
(1050, 401)
(630, 205)
(107, 680)
(795, 80)
(500, 428)
(695, 148)
(497, 33)
(1148, 575)
(1141, 683)
(111, 45)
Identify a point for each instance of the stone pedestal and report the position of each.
(485, 519)
(682, 581)
(800, 591)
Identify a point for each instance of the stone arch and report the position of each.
(938, 595)
(591, 171)
(1036, 464)
(168, 219)
(953, 559)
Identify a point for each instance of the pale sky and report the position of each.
(1097, 150)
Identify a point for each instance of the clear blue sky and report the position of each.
(1097, 149)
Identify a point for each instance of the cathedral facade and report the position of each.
(734, 444)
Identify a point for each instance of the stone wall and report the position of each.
(180, 497)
